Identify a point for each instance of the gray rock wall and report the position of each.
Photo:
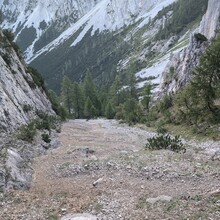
(15, 91)
(186, 60)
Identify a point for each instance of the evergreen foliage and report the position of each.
(27, 132)
(109, 111)
(37, 78)
(184, 12)
(89, 110)
(91, 93)
(200, 37)
(147, 92)
(165, 141)
(1, 16)
(56, 106)
(67, 94)
(115, 91)
(198, 102)
(78, 100)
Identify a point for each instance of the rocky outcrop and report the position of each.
(20, 101)
(20, 98)
(178, 71)
(210, 21)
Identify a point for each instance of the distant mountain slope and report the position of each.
(38, 22)
(105, 36)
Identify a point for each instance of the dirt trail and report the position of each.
(101, 168)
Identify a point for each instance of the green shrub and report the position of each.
(7, 59)
(9, 34)
(200, 37)
(46, 138)
(37, 78)
(27, 108)
(162, 141)
(27, 132)
(43, 125)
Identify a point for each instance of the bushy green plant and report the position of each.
(165, 141)
(200, 37)
(27, 132)
(27, 108)
(46, 138)
(7, 59)
(37, 78)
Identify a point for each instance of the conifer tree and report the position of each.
(78, 100)
(109, 111)
(198, 100)
(147, 92)
(132, 85)
(115, 91)
(89, 110)
(90, 92)
(67, 94)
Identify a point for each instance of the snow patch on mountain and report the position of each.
(106, 15)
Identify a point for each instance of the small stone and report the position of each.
(97, 182)
(215, 193)
(218, 203)
(93, 157)
(159, 199)
(63, 210)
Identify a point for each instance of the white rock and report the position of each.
(159, 199)
(83, 216)
(97, 182)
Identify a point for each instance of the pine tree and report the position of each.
(60, 110)
(78, 100)
(147, 92)
(89, 110)
(115, 91)
(197, 101)
(90, 92)
(109, 111)
(132, 85)
(1, 17)
(67, 94)
(131, 111)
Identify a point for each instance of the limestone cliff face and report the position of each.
(210, 21)
(20, 98)
(178, 71)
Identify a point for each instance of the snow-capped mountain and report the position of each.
(66, 17)
(69, 37)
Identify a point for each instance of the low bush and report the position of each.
(46, 138)
(27, 108)
(165, 141)
(27, 132)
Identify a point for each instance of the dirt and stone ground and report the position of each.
(103, 170)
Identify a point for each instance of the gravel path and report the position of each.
(102, 170)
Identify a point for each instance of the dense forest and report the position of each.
(196, 105)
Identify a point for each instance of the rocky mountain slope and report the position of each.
(56, 36)
(37, 18)
(186, 60)
(107, 37)
(20, 97)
